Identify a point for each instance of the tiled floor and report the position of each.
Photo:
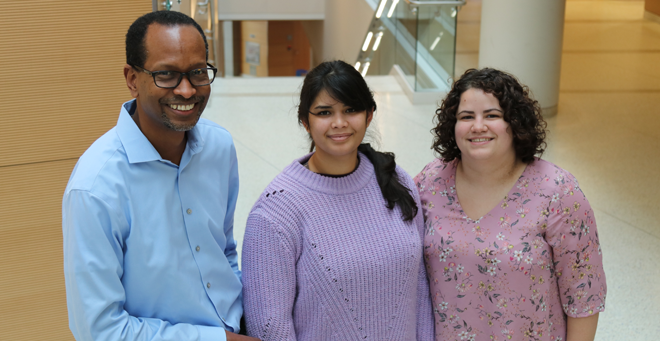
(607, 133)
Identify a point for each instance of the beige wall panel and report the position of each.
(32, 195)
(62, 79)
(61, 74)
(32, 295)
(256, 32)
(39, 318)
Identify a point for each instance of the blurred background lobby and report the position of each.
(62, 67)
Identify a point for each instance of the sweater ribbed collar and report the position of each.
(336, 186)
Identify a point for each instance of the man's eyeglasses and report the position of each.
(171, 79)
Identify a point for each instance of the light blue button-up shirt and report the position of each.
(149, 252)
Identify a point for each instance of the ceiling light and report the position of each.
(366, 67)
(367, 41)
(381, 7)
(392, 8)
(435, 42)
(378, 38)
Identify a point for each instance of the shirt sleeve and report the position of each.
(577, 256)
(232, 197)
(93, 236)
(269, 280)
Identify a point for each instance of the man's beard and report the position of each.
(179, 127)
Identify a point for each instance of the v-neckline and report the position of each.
(499, 203)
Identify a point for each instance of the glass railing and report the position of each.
(414, 39)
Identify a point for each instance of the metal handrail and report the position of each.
(436, 2)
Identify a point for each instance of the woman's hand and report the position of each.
(581, 328)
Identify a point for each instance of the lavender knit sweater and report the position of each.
(325, 259)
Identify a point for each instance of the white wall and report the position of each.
(345, 27)
(272, 9)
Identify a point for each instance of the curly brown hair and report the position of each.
(521, 112)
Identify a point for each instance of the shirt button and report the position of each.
(197, 249)
(189, 211)
(208, 285)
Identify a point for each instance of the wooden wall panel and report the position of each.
(237, 41)
(652, 6)
(61, 74)
(288, 48)
(62, 78)
(256, 32)
(302, 51)
(280, 49)
(32, 295)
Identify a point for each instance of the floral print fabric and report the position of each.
(518, 271)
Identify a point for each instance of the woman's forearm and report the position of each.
(582, 328)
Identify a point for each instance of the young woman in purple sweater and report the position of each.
(333, 247)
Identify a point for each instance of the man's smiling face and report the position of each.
(171, 48)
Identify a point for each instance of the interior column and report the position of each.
(525, 38)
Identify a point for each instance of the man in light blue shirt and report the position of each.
(147, 215)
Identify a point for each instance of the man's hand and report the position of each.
(235, 337)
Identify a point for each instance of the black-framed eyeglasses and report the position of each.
(172, 79)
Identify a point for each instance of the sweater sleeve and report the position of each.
(269, 279)
(425, 320)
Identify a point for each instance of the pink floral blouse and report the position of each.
(518, 271)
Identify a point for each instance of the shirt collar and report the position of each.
(137, 146)
(195, 140)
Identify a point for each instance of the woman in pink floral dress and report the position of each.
(511, 247)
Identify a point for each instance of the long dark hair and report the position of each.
(345, 84)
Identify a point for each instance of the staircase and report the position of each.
(416, 42)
